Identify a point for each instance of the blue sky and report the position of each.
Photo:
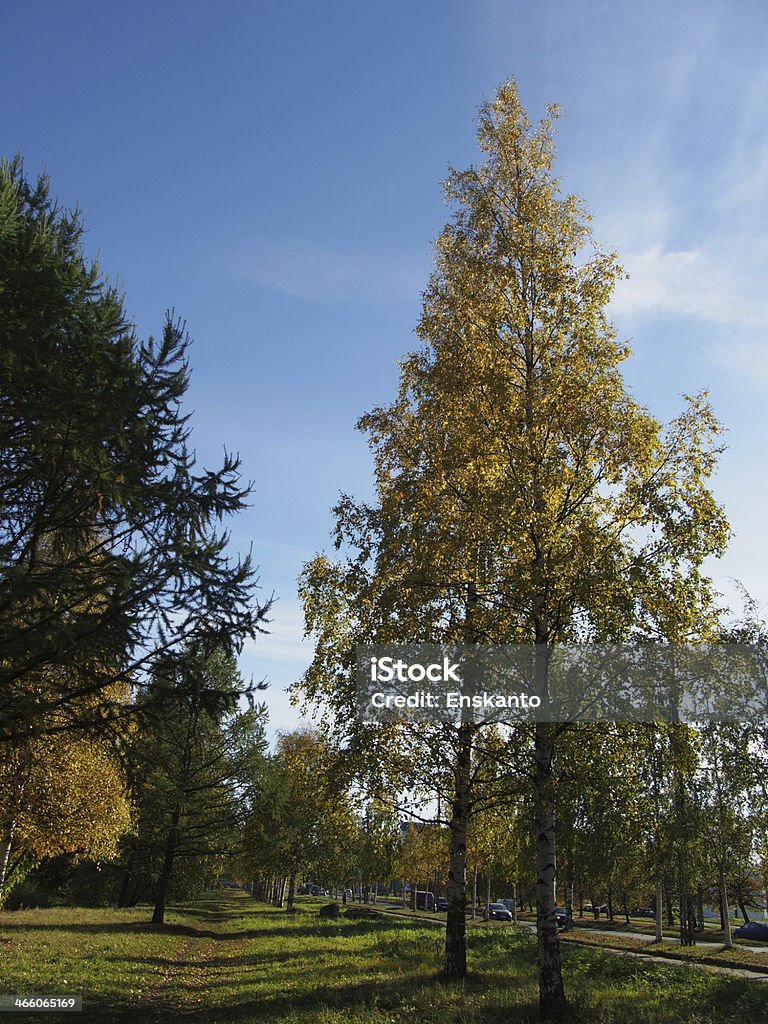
(272, 172)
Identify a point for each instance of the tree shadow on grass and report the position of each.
(122, 927)
(317, 929)
(354, 996)
(236, 961)
(498, 993)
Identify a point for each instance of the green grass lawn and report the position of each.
(230, 960)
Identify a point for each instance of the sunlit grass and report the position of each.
(710, 953)
(230, 960)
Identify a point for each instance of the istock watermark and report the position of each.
(508, 683)
(387, 669)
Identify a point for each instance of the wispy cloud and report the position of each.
(284, 644)
(302, 269)
(280, 657)
(678, 180)
(721, 281)
(694, 245)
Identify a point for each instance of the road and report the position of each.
(705, 944)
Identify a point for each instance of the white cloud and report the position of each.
(744, 182)
(721, 282)
(284, 643)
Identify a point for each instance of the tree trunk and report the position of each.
(744, 911)
(6, 841)
(552, 1001)
(21, 763)
(683, 896)
(659, 909)
(455, 964)
(569, 906)
(125, 885)
(699, 908)
(474, 894)
(670, 911)
(291, 888)
(164, 882)
(724, 915)
(687, 915)
(692, 921)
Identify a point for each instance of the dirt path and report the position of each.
(183, 982)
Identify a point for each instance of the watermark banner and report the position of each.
(508, 683)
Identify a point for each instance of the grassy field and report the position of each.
(229, 960)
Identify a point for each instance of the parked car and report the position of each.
(560, 916)
(442, 903)
(348, 893)
(751, 930)
(425, 900)
(642, 912)
(510, 905)
(498, 912)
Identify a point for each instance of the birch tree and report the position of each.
(522, 494)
